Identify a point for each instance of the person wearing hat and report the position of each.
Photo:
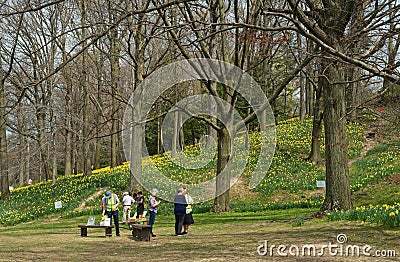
(127, 202)
(110, 204)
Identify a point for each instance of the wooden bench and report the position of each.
(141, 232)
(85, 227)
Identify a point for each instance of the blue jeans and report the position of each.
(114, 216)
(152, 219)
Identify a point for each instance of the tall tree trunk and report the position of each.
(265, 78)
(68, 132)
(22, 143)
(301, 83)
(331, 26)
(42, 140)
(211, 84)
(213, 112)
(75, 156)
(387, 83)
(68, 114)
(114, 62)
(315, 153)
(135, 182)
(99, 105)
(97, 144)
(53, 118)
(54, 158)
(181, 133)
(337, 170)
(353, 75)
(21, 169)
(40, 173)
(136, 145)
(302, 97)
(97, 150)
(159, 133)
(334, 21)
(309, 88)
(4, 179)
(86, 160)
(221, 202)
(393, 50)
(28, 161)
(175, 134)
(68, 135)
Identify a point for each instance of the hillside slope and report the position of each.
(290, 182)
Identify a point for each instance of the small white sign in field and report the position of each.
(91, 221)
(321, 183)
(58, 204)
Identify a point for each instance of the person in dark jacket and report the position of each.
(140, 205)
(179, 211)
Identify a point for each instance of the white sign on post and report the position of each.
(58, 204)
(321, 183)
(10, 188)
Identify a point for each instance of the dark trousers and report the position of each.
(179, 223)
(152, 219)
(139, 210)
(114, 216)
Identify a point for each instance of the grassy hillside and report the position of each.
(375, 182)
(290, 182)
(30, 202)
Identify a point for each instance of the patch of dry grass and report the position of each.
(231, 236)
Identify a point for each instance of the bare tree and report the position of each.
(327, 23)
(237, 51)
(4, 182)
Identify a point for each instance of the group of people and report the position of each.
(182, 209)
(183, 212)
(110, 203)
(128, 201)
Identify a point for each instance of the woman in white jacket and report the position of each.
(188, 220)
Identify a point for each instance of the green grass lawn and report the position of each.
(217, 237)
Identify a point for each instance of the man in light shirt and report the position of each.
(127, 202)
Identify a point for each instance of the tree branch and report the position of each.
(105, 32)
(34, 9)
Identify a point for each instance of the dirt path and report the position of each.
(94, 195)
(372, 141)
(241, 190)
(368, 145)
